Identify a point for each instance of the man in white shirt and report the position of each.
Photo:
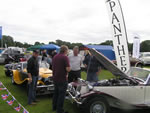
(75, 63)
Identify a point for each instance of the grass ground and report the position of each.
(45, 104)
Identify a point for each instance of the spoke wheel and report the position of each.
(98, 105)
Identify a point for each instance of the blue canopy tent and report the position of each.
(50, 47)
(104, 49)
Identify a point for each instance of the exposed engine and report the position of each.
(114, 82)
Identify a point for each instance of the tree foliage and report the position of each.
(107, 42)
(70, 45)
(9, 41)
(145, 46)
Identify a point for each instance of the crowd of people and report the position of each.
(66, 68)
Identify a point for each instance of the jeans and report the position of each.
(59, 96)
(92, 77)
(32, 89)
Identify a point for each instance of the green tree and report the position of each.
(145, 46)
(37, 43)
(18, 44)
(26, 45)
(7, 40)
(70, 45)
(107, 42)
(130, 47)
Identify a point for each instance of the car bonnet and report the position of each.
(109, 65)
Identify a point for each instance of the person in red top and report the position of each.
(60, 67)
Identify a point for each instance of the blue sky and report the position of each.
(85, 21)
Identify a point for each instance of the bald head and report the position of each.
(76, 50)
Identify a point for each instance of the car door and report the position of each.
(147, 95)
(129, 94)
(23, 74)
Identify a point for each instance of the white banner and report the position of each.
(136, 47)
(119, 34)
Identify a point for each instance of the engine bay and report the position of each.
(115, 82)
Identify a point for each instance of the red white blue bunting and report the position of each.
(11, 101)
(4, 97)
(18, 108)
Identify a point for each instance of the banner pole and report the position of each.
(2, 42)
(1, 37)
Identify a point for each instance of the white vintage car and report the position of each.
(145, 58)
(126, 91)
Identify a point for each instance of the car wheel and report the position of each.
(98, 105)
(139, 65)
(12, 80)
(7, 73)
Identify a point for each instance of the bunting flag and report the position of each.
(24, 111)
(2, 89)
(4, 97)
(18, 108)
(10, 102)
(0, 83)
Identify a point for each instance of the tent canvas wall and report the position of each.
(104, 49)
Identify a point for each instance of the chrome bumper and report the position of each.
(73, 98)
(45, 89)
(48, 87)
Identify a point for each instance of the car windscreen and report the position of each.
(139, 73)
(24, 65)
(43, 64)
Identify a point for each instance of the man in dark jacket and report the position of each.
(61, 67)
(33, 72)
(93, 67)
(44, 55)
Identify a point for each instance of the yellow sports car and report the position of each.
(45, 82)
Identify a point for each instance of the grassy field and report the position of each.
(45, 104)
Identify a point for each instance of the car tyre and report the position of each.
(98, 105)
(7, 74)
(139, 65)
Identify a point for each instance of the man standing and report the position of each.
(61, 67)
(75, 63)
(33, 72)
(93, 67)
(44, 55)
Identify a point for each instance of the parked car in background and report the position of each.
(125, 91)
(134, 62)
(2, 59)
(1, 49)
(11, 55)
(19, 76)
(145, 58)
(8, 68)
